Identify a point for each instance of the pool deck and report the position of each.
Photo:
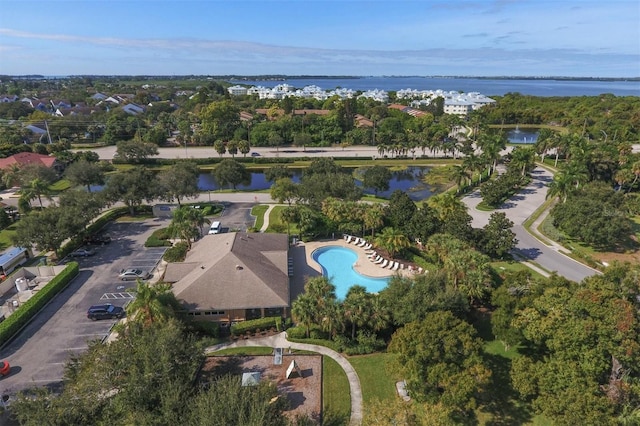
(305, 266)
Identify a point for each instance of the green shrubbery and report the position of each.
(497, 191)
(10, 326)
(177, 253)
(159, 238)
(206, 328)
(257, 324)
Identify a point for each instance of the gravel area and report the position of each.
(304, 393)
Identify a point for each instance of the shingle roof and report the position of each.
(234, 271)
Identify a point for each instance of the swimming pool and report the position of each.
(337, 265)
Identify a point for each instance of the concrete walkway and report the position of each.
(280, 341)
(265, 223)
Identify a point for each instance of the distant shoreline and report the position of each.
(240, 78)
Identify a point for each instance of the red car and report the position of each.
(5, 368)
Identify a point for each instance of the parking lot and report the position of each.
(39, 353)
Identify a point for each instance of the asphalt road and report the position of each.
(518, 209)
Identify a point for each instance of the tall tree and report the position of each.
(230, 172)
(85, 173)
(132, 187)
(135, 151)
(498, 238)
(377, 177)
(179, 181)
(441, 359)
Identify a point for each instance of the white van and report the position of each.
(215, 228)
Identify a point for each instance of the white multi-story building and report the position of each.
(237, 90)
(455, 102)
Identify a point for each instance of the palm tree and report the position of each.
(577, 172)
(373, 217)
(459, 175)
(561, 186)
(36, 188)
(544, 142)
(445, 203)
(152, 303)
(491, 146)
(357, 307)
(522, 158)
(11, 175)
(187, 224)
(635, 169)
(392, 240)
(303, 311)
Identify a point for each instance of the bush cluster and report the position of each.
(251, 326)
(159, 238)
(177, 253)
(496, 191)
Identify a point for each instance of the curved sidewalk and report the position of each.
(280, 341)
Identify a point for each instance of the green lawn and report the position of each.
(513, 266)
(336, 402)
(258, 212)
(376, 381)
(277, 225)
(5, 236)
(60, 185)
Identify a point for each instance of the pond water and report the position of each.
(337, 265)
(528, 136)
(408, 180)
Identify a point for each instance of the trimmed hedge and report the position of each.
(21, 317)
(159, 238)
(256, 324)
(177, 253)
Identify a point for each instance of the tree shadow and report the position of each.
(501, 400)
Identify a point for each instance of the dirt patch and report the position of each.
(303, 393)
(610, 257)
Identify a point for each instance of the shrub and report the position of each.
(176, 253)
(159, 238)
(251, 326)
(14, 323)
(206, 328)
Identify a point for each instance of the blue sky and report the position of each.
(324, 37)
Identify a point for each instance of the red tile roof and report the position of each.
(24, 158)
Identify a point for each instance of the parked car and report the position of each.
(134, 274)
(107, 311)
(255, 154)
(98, 239)
(83, 252)
(5, 368)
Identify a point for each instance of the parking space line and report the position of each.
(113, 296)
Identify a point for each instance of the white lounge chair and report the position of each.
(384, 263)
(347, 238)
(362, 243)
(379, 260)
(396, 266)
(356, 240)
(372, 255)
(368, 246)
(390, 265)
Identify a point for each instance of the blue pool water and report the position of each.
(337, 265)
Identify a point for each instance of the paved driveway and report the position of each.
(518, 209)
